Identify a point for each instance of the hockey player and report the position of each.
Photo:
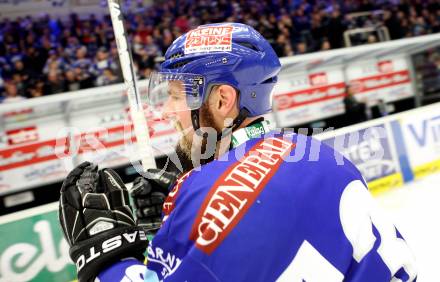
(262, 206)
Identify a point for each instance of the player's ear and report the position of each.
(225, 101)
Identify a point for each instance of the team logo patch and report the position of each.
(168, 261)
(209, 39)
(235, 191)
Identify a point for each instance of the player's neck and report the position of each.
(224, 145)
(248, 121)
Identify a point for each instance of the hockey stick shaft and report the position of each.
(129, 74)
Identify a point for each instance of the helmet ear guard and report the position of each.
(238, 120)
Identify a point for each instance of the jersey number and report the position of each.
(358, 214)
(310, 265)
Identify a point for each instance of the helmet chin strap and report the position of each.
(195, 117)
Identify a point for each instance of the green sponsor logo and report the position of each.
(34, 249)
(255, 131)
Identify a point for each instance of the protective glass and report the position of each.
(171, 92)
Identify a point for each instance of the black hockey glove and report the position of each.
(149, 196)
(97, 220)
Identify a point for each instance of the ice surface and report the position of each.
(415, 209)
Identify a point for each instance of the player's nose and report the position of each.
(168, 111)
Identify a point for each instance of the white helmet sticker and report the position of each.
(209, 39)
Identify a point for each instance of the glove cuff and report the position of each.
(100, 251)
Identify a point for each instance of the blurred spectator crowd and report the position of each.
(47, 55)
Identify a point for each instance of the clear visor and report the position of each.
(171, 92)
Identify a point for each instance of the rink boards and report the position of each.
(392, 150)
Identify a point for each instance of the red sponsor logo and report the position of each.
(235, 191)
(22, 135)
(169, 204)
(18, 113)
(380, 81)
(32, 154)
(206, 39)
(309, 96)
(318, 79)
(385, 66)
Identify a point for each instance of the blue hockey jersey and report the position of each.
(278, 208)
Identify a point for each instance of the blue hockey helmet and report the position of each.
(226, 53)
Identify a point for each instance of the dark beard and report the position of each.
(207, 148)
(182, 160)
(178, 162)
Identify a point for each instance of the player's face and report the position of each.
(176, 110)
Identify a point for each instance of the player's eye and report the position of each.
(176, 98)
